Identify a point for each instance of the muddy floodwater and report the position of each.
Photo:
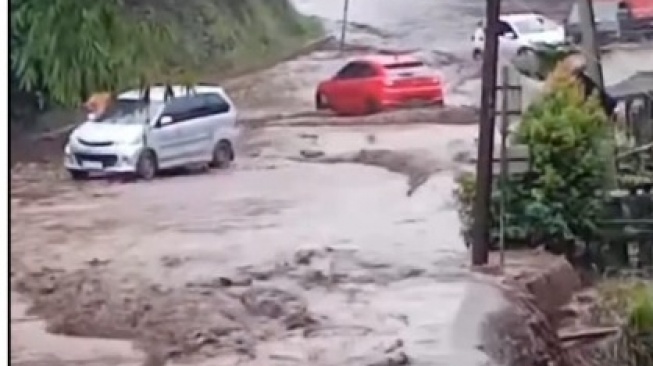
(352, 258)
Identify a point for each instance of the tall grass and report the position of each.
(631, 305)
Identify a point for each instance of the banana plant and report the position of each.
(69, 49)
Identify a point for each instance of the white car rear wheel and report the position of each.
(223, 155)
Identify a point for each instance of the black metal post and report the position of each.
(345, 20)
(481, 242)
(590, 45)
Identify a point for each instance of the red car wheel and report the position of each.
(321, 102)
(372, 106)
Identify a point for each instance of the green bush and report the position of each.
(558, 202)
(639, 327)
(464, 194)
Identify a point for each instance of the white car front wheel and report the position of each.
(78, 175)
(147, 165)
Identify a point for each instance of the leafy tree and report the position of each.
(66, 49)
(559, 201)
(566, 134)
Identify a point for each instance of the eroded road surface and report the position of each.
(329, 242)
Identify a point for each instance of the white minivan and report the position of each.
(164, 127)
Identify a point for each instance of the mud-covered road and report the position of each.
(349, 258)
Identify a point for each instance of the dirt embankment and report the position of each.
(549, 317)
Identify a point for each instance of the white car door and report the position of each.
(167, 136)
(509, 42)
(196, 133)
(223, 118)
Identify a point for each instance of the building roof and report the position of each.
(637, 84)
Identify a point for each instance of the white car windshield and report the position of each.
(128, 112)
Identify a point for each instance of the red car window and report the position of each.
(407, 70)
(404, 65)
(347, 71)
(356, 70)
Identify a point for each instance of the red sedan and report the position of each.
(373, 83)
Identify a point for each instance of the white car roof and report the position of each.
(509, 18)
(157, 92)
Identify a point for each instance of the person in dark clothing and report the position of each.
(608, 103)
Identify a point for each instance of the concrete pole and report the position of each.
(589, 42)
(594, 70)
(345, 20)
(481, 239)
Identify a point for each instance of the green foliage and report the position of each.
(62, 50)
(464, 194)
(640, 319)
(566, 134)
(68, 49)
(629, 303)
(224, 35)
(558, 202)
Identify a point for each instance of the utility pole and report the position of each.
(345, 20)
(481, 229)
(591, 51)
(589, 43)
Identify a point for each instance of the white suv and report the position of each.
(146, 131)
(520, 33)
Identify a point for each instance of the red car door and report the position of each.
(367, 90)
(346, 91)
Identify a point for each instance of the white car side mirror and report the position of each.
(165, 120)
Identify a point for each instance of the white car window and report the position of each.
(528, 26)
(505, 29)
(548, 24)
(535, 25)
